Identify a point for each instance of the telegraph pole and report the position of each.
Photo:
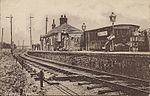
(46, 24)
(2, 36)
(0, 14)
(11, 32)
(30, 32)
(0, 21)
(2, 39)
(23, 44)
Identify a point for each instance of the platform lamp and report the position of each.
(83, 29)
(112, 19)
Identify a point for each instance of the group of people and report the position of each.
(36, 46)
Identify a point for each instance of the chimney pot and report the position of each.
(63, 19)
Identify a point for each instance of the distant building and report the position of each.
(62, 37)
(124, 39)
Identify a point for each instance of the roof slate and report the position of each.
(64, 27)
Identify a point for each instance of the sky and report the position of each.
(94, 13)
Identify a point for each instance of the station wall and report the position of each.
(124, 63)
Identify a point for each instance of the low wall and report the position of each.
(123, 63)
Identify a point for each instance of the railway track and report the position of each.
(127, 85)
(27, 65)
(63, 89)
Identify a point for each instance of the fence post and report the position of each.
(41, 78)
(21, 92)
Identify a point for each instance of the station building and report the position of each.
(126, 38)
(63, 37)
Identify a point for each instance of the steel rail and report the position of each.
(123, 88)
(136, 80)
(61, 88)
(69, 90)
(64, 89)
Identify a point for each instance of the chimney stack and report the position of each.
(63, 19)
(53, 25)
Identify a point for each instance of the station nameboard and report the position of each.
(122, 27)
(103, 33)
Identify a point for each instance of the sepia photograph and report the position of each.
(74, 48)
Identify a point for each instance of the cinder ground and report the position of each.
(13, 78)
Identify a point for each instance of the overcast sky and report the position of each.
(95, 13)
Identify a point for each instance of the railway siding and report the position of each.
(124, 63)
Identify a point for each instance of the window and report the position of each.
(136, 38)
(131, 39)
(131, 44)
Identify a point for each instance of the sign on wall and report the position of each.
(103, 33)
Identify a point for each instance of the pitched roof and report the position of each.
(64, 27)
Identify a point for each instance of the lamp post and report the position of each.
(112, 19)
(84, 40)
